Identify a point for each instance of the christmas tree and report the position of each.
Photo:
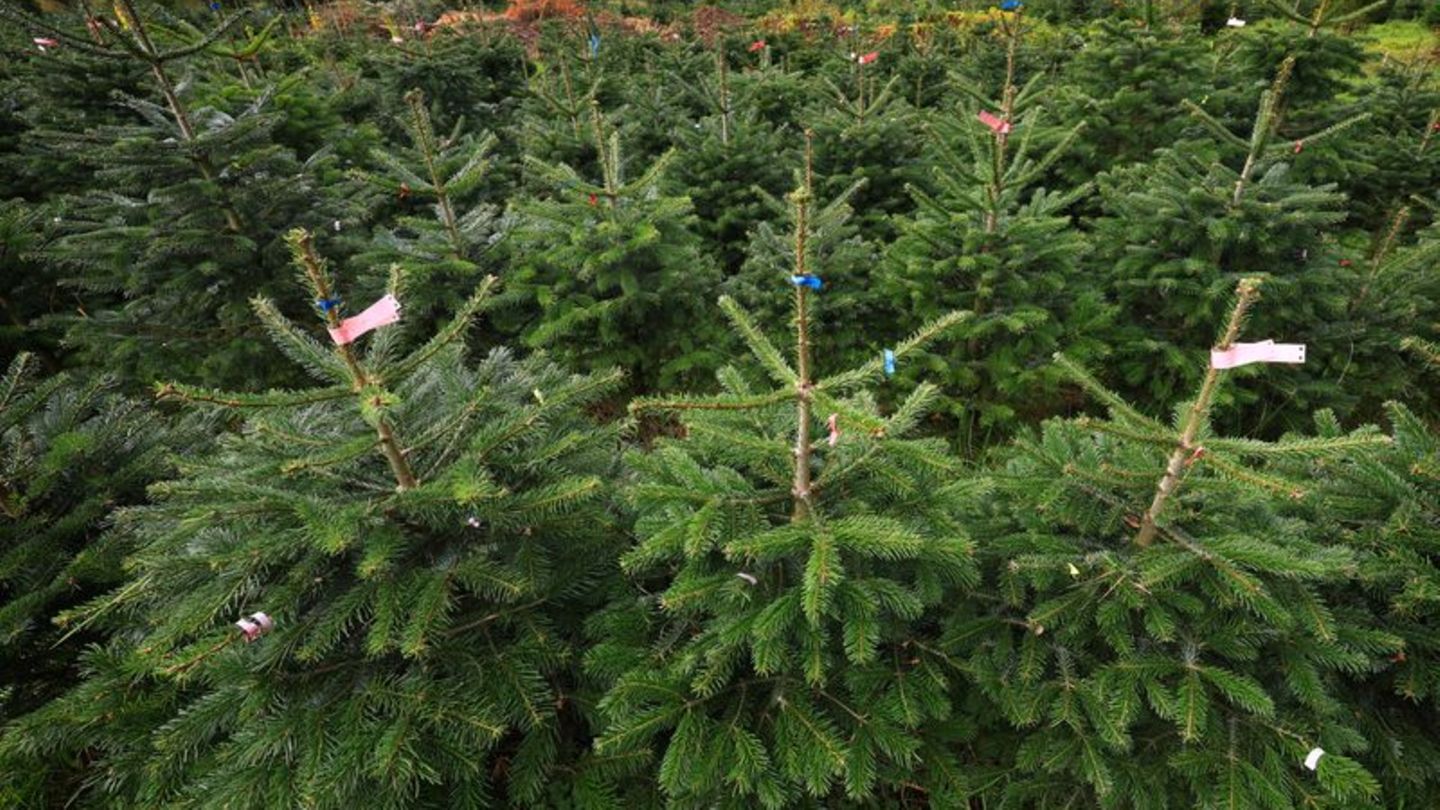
(790, 580)
(1170, 642)
(1178, 232)
(831, 240)
(727, 159)
(609, 272)
(442, 251)
(71, 451)
(1386, 506)
(408, 547)
(989, 237)
(184, 219)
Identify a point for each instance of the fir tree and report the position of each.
(1378, 302)
(444, 250)
(795, 579)
(1323, 60)
(991, 239)
(856, 319)
(51, 89)
(70, 453)
(727, 161)
(183, 222)
(1387, 507)
(556, 123)
(610, 273)
(420, 534)
(864, 129)
(1178, 232)
(1127, 84)
(1396, 156)
(1173, 643)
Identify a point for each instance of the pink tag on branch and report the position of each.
(257, 625)
(833, 424)
(384, 311)
(1243, 354)
(999, 125)
(868, 58)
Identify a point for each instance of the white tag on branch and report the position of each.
(1235, 22)
(1312, 759)
(750, 578)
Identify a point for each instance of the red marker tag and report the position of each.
(996, 124)
(382, 312)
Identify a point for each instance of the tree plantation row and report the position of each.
(548, 407)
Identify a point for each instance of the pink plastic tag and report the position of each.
(1243, 354)
(257, 625)
(834, 424)
(384, 311)
(997, 124)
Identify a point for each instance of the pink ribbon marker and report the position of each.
(998, 125)
(833, 424)
(1243, 354)
(257, 625)
(868, 58)
(380, 313)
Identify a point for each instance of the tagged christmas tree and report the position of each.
(1178, 232)
(831, 240)
(1167, 632)
(407, 548)
(791, 572)
(986, 236)
(184, 220)
(866, 130)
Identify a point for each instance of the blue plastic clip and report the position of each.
(1010, 5)
(327, 304)
(594, 45)
(889, 363)
(215, 6)
(807, 280)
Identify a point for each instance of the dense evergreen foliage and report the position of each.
(781, 405)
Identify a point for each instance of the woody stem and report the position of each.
(1246, 293)
(389, 445)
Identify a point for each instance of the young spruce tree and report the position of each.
(71, 452)
(182, 222)
(610, 273)
(420, 534)
(1173, 643)
(993, 240)
(795, 576)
